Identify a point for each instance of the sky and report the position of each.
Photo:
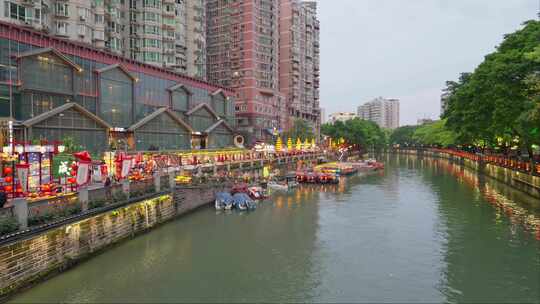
(408, 49)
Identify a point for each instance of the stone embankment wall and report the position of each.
(523, 181)
(27, 261)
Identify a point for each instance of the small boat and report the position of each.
(224, 200)
(327, 178)
(278, 186)
(257, 193)
(291, 181)
(242, 201)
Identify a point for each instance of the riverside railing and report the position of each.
(498, 160)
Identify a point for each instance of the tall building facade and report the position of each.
(299, 61)
(243, 54)
(382, 111)
(341, 116)
(164, 33)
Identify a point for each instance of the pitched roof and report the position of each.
(217, 124)
(179, 86)
(200, 106)
(116, 66)
(40, 51)
(156, 113)
(217, 92)
(41, 117)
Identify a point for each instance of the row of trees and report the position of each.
(498, 105)
(366, 134)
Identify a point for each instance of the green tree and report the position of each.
(435, 133)
(499, 99)
(365, 134)
(301, 129)
(403, 136)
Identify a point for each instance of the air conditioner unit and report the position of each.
(83, 18)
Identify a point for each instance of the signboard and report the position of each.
(22, 174)
(82, 172)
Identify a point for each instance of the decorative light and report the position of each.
(61, 148)
(43, 149)
(19, 149)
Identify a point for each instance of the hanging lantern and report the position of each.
(8, 170)
(8, 188)
(298, 144)
(289, 144)
(8, 179)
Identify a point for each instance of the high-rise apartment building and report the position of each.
(195, 32)
(165, 33)
(299, 60)
(383, 111)
(243, 53)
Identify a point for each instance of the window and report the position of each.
(17, 12)
(81, 30)
(98, 19)
(61, 9)
(61, 28)
(98, 35)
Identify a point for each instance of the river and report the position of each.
(422, 231)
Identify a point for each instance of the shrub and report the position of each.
(8, 225)
(118, 197)
(96, 204)
(40, 219)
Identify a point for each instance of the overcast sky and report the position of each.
(407, 49)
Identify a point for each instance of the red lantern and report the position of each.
(73, 172)
(8, 188)
(19, 190)
(72, 180)
(8, 179)
(8, 170)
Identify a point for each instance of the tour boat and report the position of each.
(224, 200)
(278, 186)
(243, 202)
(257, 193)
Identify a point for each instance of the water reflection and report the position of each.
(520, 208)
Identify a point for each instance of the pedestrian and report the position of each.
(3, 199)
(108, 192)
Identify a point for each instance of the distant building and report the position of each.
(323, 115)
(382, 111)
(341, 116)
(423, 121)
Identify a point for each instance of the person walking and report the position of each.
(108, 192)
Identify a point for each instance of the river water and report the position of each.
(422, 231)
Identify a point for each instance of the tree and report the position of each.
(403, 136)
(365, 134)
(499, 99)
(435, 133)
(301, 129)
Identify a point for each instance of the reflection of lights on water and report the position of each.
(503, 205)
